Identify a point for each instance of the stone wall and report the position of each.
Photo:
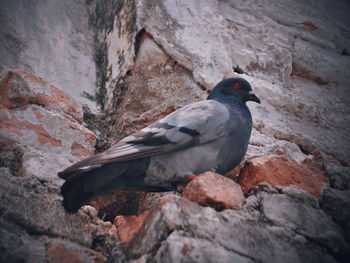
(52, 39)
(77, 76)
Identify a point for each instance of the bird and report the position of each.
(212, 134)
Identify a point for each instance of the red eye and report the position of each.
(237, 85)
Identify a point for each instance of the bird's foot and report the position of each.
(190, 177)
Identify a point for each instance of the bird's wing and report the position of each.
(197, 123)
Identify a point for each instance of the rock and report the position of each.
(297, 90)
(149, 54)
(150, 93)
(339, 176)
(152, 198)
(179, 246)
(117, 34)
(300, 195)
(59, 250)
(125, 202)
(145, 98)
(50, 137)
(16, 245)
(24, 200)
(337, 204)
(55, 41)
(185, 230)
(109, 246)
(214, 190)
(129, 226)
(20, 88)
(263, 144)
(141, 60)
(280, 171)
(263, 186)
(42, 122)
(162, 219)
(234, 173)
(11, 157)
(306, 220)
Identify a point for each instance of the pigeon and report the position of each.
(212, 134)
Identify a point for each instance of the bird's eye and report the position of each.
(237, 85)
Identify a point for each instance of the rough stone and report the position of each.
(300, 195)
(280, 171)
(152, 57)
(50, 137)
(119, 40)
(214, 190)
(175, 222)
(44, 124)
(299, 74)
(16, 245)
(19, 88)
(37, 207)
(311, 222)
(59, 250)
(11, 157)
(118, 203)
(50, 39)
(126, 202)
(339, 176)
(149, 54)
(150, 92)
(129, 226)
(262, 145)
(180, 248)
(337, 204)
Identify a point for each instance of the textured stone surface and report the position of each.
(339, 176)
(118, 203)
(59, 250)
(19, 88)
(118, 38)
(44, 123)
(129, 226)
(126, 203)
(214, 190)
(37, 207)
(298, 73)
(150, 92)
(50, 39)
(337, 204)
(280, 171)
(16, 245)
(311, 222)
(32, 219)
(180, 248)
(182, 227)
(146, 59)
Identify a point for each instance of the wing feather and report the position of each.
(197, 123)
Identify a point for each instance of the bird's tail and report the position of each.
(82, 187)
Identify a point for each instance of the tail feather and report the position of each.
(81, 188)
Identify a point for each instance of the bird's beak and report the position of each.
(253, 97)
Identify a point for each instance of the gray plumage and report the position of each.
(210, 134)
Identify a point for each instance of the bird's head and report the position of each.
(234, 87)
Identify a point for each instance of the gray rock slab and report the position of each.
(16, 245)
(306, 220)
(37, 207)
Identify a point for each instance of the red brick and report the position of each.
(214, 190)
(277, 170)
